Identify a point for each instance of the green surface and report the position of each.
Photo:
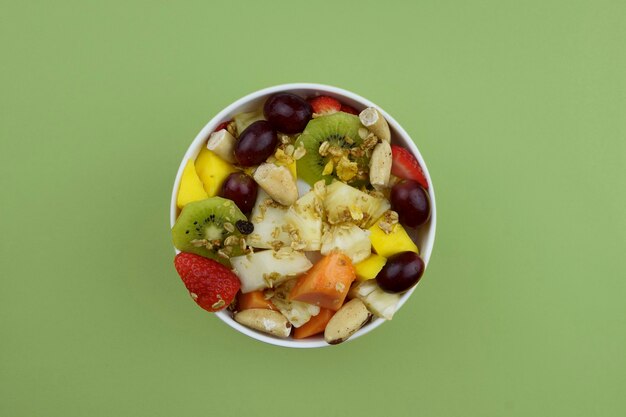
(518, 107)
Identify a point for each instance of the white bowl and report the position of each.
(424, 236)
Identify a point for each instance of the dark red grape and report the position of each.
(402, 271)
(241, 189)
(288, 113)
(256, 144)
(411, 203)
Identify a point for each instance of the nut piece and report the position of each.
(278, 182)
(266, 321)
(376, 123)
(350, 318)
(222, 143)
(380, 165)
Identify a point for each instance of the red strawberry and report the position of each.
(348, 109)
(405, 166)
(324, 105)
(211, 285)
(221, 126)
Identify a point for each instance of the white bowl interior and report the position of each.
(423, 236)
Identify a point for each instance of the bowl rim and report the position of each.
(314, 88)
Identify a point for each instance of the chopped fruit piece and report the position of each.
(327, 283)
(401, 272)
(315, 325)
(206, 228)
(212, 171)
(379, 302)
(374, 121)
(348, 109)
(344, 203)
(241, 189)
(243, 120)
(369, 268)
(380, 166)
(325, 139)
(278, 182)
(389, 239)
(211, 285)
(268, 269)
(411, 202)
(257, 143)
(349, 239)
(190, 186)
(270, 224)
(287, 112)
(323, 105)
(222, 143)
(305, 217)
(254, 299)
(406, 166)
(297, 312)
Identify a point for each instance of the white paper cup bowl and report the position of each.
(424, 236)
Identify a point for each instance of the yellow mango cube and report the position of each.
(212, 171)
(190, 188)
(370, 267)
(387, 244)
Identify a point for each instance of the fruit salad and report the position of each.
(296, 216)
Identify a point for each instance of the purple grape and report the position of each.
(256, 144)
(241, 189)
(401, 272)
(411, 203)
(287, 112)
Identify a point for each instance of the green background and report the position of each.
(518, 107)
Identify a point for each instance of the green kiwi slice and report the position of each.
(341, 131)
(207, 228)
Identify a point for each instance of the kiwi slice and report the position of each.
(205, 228)
(341, 131)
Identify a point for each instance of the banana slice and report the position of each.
(222, 143)
(380, 165)
(376, 123)
(278, 182)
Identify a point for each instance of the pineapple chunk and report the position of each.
(243, 120)
(387, 244)
(344, 203)
(370, 267)
(212, 171)
(270, 225)
(269, 268)
(379, 302)
(349, 239)
(297, 312)
(305, 216)
(190, 188)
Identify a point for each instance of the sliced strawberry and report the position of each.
(324, 105)
(405, 166)
(222, 125)
(211, 285)
(348, 109)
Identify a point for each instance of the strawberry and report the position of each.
(222, 125)
(348, 109)
(324, 105)
(211, 285)
(405, 166)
